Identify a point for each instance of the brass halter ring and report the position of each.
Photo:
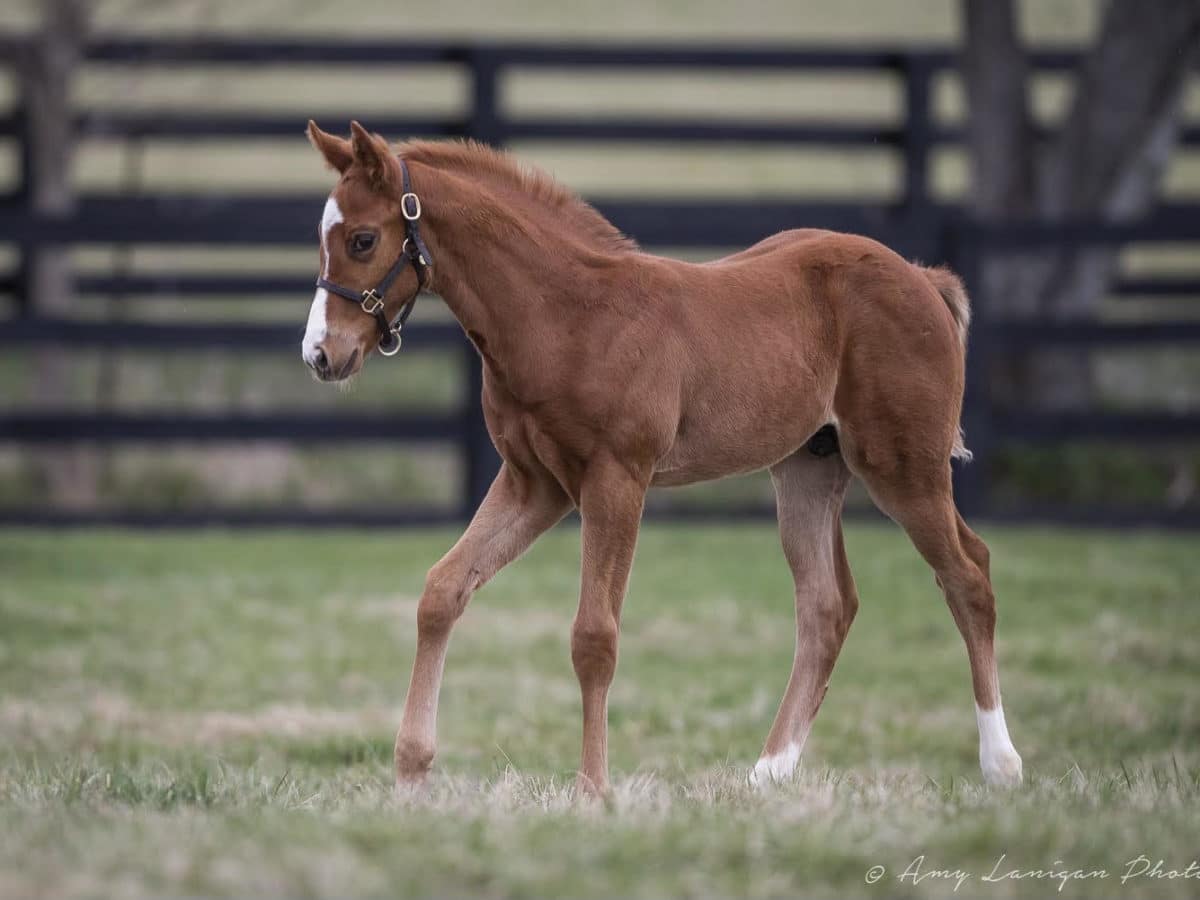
(420, 256)
(395, 332)
(416, 214)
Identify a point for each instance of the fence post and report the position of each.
(973, 480)
(482, 461)
(49, 67)
(26, 248)
(917, 133)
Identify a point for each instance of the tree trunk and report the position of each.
(46, 76)
(1105, 162)
(996, 75)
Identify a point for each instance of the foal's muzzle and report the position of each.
(319, 363)
(327, 370)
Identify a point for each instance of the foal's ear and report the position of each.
(336, 150)
(372, 152)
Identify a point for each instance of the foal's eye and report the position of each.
(362, 243)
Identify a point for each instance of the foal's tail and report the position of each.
(951, 288)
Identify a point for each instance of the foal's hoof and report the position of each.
(410, 783)
(1001, 768)
(591, 789)
(410, 788)
(413, 762)
(775, 768)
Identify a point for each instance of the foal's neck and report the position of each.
(507, 271)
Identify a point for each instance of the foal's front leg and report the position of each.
(516, 510)
(611, 510)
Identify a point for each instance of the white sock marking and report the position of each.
(998, 758)
(315, 330)
(776, 767)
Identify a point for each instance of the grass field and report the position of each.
(212, 714)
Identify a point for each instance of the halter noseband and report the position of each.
(413, 252)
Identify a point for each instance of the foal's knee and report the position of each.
(594, 649)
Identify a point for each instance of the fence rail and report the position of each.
(915, 223)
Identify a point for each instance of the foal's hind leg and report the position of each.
(809, 492)
(918, 495)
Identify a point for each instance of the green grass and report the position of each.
(212, 714)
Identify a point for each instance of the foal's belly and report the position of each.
(740, 441)
(759, 380)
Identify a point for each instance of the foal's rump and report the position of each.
(809, 328)
(823, 251)
(903, 329)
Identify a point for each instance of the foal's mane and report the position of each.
(499, 169)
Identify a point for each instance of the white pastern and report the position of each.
(998, 758)
(776, 767)
(315, 331)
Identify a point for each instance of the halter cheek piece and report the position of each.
(413, 252)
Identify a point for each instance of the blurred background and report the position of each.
(160, 201)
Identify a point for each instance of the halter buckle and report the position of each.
(371, 302)
(412, 217)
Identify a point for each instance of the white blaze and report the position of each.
(997, 757)
(314, 332)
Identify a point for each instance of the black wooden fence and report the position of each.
(917, 225)
(990, 428)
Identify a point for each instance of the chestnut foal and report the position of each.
(608, 370)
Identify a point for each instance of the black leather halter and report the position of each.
(414, 253)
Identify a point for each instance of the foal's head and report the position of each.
(362, 236)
